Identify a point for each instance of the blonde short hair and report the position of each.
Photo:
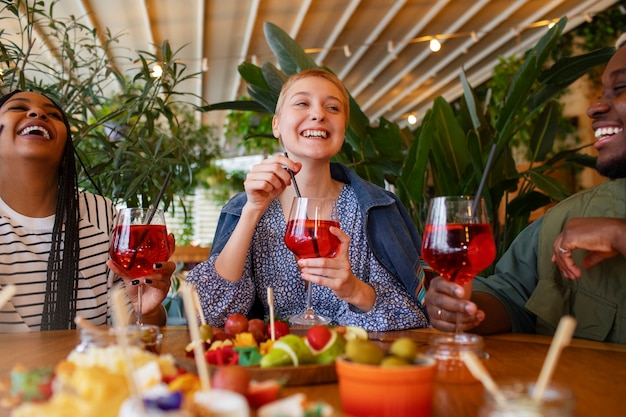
(316, 72)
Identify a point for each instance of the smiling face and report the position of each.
(32, 129)
(311, 117)
(609, 118)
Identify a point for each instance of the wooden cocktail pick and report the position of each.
(270, 303)
(120, 311)
(479, 372)
(198, 306)
(562, 338)
(194, 332)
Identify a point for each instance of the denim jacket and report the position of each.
(391, 232)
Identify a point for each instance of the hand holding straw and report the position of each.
(270, 303)
(479, 372)
(7, 293)
(562, 338)
(194, 332)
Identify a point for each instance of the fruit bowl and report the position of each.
(397, 391)
(291, 376)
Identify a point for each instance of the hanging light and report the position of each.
(435, 45)
(157, 71)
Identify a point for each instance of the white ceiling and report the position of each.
(379, 48)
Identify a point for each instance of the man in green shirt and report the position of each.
(539, 279)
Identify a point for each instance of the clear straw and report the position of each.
(483, 180)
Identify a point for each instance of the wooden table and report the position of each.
(595, 372)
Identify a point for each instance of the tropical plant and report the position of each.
(251, 131)
(447, 154)
(129, 129)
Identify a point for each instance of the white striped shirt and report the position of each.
(24, 251)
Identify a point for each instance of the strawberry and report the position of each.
(281, 328)
(264, 392)
(318, 336)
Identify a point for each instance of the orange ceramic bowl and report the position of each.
(375, 391)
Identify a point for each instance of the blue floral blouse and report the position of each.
(271, 264)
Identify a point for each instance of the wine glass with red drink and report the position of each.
(139, 241)
(308, 236)
(458, 242)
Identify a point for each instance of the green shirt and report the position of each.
(536, 295)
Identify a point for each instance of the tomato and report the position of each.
(318, 336)
(281, 328)
(264, 392)
(236, 323)
(232, 378)
(258, 329)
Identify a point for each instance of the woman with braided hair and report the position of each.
(54, 239)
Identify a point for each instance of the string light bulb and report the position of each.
(157, 71)
(411, 119)
(435, 45)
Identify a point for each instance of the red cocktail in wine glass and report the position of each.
(458, 242)
(139, 241)
(308, 236)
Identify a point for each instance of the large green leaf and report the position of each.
(569, 69)
(387, 140)
(411, 184)
(565, 71)
(523, 81)
(252, 74)
(525, 203)
(548, 185)
(291, 57)
(470, 101)
(542, 138)
(451, 146)
(274, 77)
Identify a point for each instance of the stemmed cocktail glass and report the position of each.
(308, 236)
(139, 241)
(458, 242)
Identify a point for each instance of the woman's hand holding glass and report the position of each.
(336, 274)
(152, 294)
(140, 248)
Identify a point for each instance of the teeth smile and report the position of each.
(315, 134)
(37, 130)
(603, 132)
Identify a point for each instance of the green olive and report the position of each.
(404, 348)
(206, 333)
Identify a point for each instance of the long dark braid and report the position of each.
(59, 307)
(62, 285)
